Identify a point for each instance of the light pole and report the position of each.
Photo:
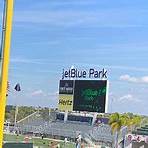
(18, 89)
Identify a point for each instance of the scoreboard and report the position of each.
(83, 95)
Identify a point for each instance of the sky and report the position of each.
(50, 35)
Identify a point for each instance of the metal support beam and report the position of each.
(8, 13)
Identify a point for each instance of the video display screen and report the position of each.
(90, 95)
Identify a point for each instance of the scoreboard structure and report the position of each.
(83, 95)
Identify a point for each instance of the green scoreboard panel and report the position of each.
(90, 95)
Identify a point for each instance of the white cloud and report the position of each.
(37, 93)
(70, 18)
(131, 68)
(129, 78)
(53, 94)
(129, 97)
(28, 61)
(144, 79)
(32, 61)
(75, 2)
(47, 61)
(118, 67)
(42, 93)
(45, 43)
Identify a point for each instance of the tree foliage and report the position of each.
(117, 121)
(23, 111)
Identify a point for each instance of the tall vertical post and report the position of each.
(5, 61)
(94, 118)
(15, 116)
(65, 115)
(107, 92)
(66, 111)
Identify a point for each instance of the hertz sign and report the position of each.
(66, 91)
(83, 95)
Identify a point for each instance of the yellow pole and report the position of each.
(5, 63)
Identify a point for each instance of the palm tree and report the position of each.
(116, 121)
(132, 121)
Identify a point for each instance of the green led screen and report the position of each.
(90, 95)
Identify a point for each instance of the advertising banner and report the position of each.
(65, 102)
(66, 89)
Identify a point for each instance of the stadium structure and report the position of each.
(81, 111)
(61, 125)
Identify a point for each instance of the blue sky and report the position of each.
(51, 35)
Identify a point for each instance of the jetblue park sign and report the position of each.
(90, 73)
